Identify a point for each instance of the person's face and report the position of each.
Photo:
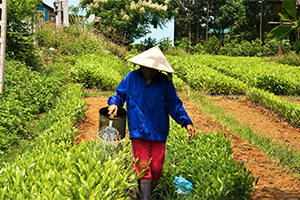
(150, 72)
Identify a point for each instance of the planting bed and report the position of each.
(274, 181)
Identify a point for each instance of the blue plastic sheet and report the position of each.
(183, 186)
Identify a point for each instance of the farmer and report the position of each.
(151, 98)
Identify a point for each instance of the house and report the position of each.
(49, 11)
(219, 32)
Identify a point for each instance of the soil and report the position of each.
(274, 181)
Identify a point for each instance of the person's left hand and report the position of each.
(191, 131)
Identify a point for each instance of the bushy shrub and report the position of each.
(256, 47)
(69, 40)
(288, 59)
(271, 48)
(212, 46)
(165, 43)
(286, 46)
(198, 49)
(232, 48)
(185, 45)
(75, 41)
(149, 43)
(243, 48)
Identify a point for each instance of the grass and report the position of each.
(275, 149)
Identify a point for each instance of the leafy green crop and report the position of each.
(276, 78)
(25, 95)
(57, 126)
(85, 171)
(207, 162)
(201, 77)
(281, 105)
(96, 71)
(57, 169)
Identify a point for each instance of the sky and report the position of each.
(159, 34)
(155, 33)
(70, 2)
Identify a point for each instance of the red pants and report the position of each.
(146, 149)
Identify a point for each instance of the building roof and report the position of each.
(48, 7)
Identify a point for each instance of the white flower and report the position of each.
(142, 9)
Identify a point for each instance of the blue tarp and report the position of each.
(183, 186)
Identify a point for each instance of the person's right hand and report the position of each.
(112, 110)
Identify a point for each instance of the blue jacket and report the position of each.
(149, 106)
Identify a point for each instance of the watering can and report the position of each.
(118, 122)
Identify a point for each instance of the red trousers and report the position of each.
(146, 149)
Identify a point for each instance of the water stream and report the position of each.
(108, 133)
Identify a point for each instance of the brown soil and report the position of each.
(274, 181)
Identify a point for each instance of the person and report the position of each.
(150, 98)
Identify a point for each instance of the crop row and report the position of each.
(58, 169)
(207, 162)
(105, 72)
(55, 169)
(25, 95)
(202, 77)
(97, 71)
(255, 72)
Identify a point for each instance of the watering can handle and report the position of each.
(111, 117)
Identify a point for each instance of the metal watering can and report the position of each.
(118, 122)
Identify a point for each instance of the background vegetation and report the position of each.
(43, 99)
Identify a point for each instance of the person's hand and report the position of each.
(191, 131)
(112, 110)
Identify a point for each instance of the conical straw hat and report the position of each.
(153, 58)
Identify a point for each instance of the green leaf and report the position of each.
(290, 7)
(297, 46)
(285, 17)
(140, 164)
(280, 32)
(148, 162)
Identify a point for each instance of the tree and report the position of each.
(128, 18)
(231, 12)
(247, 26)
(188, 20)
(289, 14)
(20, 39)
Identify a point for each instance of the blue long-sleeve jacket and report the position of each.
(149, 106)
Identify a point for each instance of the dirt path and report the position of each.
(274, 182)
